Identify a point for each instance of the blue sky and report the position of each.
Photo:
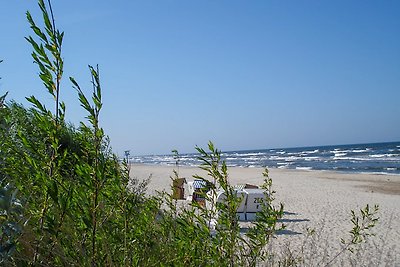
(244, 74)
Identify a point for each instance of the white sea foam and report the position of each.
(311, 158)
(338, 150)
(292, 158)
(310, 152)
(277, 158)
(250, 154)
(355, 159)
(304, 168)
(250, 158)
(386, 157)
(352, 158)
(360, 150)
(378, 156)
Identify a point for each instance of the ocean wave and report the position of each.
(283, 167)
(251, 159)
(378, 156)
(292, 158)
(310, 152)
(384, 155)
(311, 158)
(339, 150)
(276, 158)
(360, 150)
(249, 154)
(350, 158)
(355, 159)
(304, 168)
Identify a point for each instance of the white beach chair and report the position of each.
(251, 202)
(220, 197)
(254, 199)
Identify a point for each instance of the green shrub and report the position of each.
(11, 221)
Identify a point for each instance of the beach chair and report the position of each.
(255, 198)
(178, 188)
(199, 188)
(220, 197)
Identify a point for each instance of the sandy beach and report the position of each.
(320, 201)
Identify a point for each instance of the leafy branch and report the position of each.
(363, 223)
(47, 54)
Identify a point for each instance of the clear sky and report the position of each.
(244, 74)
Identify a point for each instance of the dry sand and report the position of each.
(317, 200)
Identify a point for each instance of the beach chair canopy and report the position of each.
(198, 184)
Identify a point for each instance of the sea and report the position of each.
(378, 158)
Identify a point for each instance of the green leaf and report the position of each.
(45, 16)
(39, 33)
(36, 103)
(60, 37)
(53, 191)
(211, 146)
(75, 84)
